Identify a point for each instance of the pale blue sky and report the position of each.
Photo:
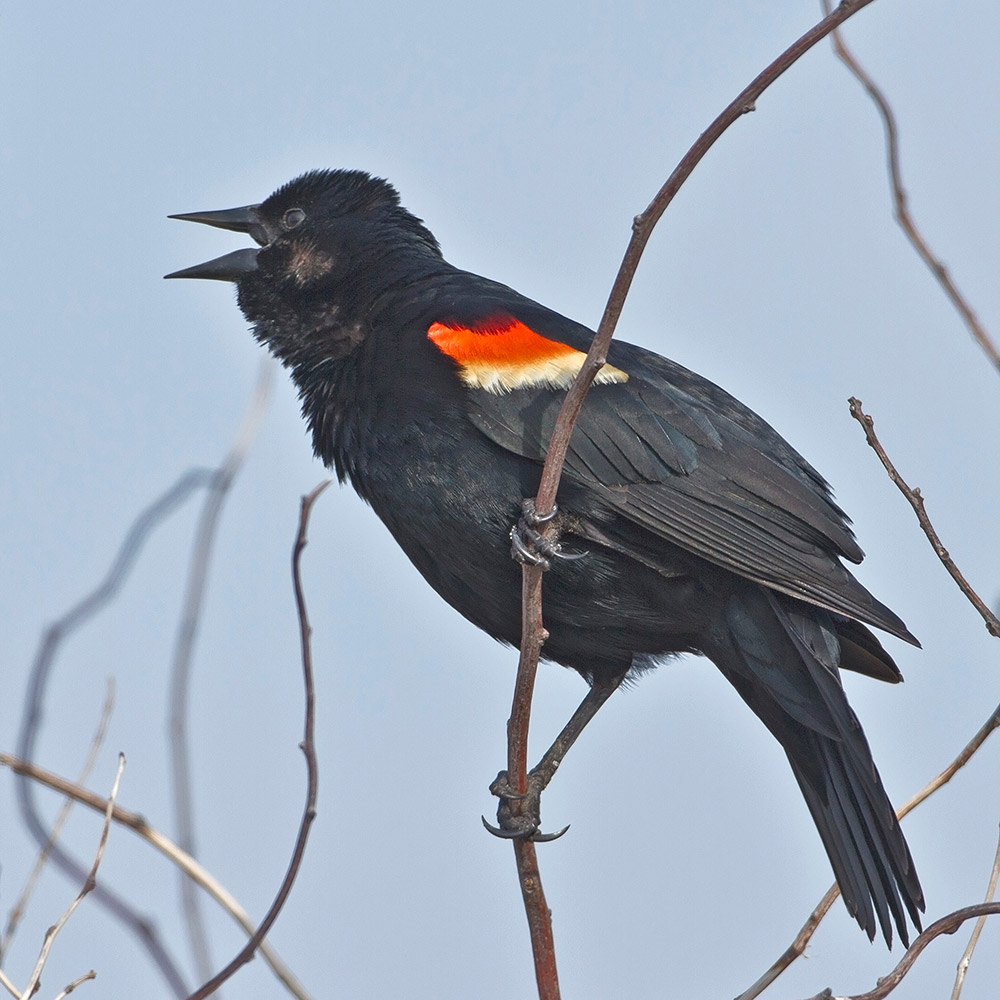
(527, 136)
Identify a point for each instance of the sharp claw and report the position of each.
(500, 787)
(502, 834)
(530, 547)
(524, 553)
(535, 837)
(532, 516)
(518, 827)
(545, 838)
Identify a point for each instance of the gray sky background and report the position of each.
(527, 136)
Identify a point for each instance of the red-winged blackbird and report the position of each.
(686, 523)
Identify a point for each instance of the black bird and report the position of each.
(685, 523)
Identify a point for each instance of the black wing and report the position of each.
(683, 459)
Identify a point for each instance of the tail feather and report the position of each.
(783, 658)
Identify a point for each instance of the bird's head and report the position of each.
(329, 242)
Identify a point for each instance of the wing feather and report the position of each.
(677, 456)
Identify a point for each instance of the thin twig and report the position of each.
(970, 748)
(529, 876)
(201, 556)
(946, 925)
(916, 501)
(900, 200)
(312, 767)
(532, 629)
(17, 911)
(797, 948)
(76, 982)
(6, 983)
(88, 886)
(52, 639)
(138, 824)
(963, 964)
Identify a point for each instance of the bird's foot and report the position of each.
(530, 546)
(519, 814)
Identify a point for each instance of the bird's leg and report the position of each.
(529, 545)
(518, 815)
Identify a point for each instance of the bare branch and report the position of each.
(963, 965)
(138, 824)
(903, 216)
(312, 767)
(916, 501)
(49, 646)
(201, 555)
(642, 228)
(797, 948)
(946, 925)
(532, 628)
(9, 986)
(88, 885)
(992, 723)
(17, 911)
(76, 982)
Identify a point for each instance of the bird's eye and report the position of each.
(292, 218)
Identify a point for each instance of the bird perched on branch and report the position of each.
(684, 523)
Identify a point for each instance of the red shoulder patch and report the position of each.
(502, 353)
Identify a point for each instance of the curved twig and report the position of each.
(901, 202)
(88, 885)
(17, 910)
(79, 981)
(916, 501)
(946, 925)
(51, 641)
(966, 959)
(312, 767)
(797, 948)
(201, 556)
(533, 632)
(139, 825)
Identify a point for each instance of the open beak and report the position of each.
(231, 266)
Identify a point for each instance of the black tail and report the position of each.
(783, 658)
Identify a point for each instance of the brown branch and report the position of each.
(543, 948)
(642, 228)
(916, 501)
(900, 200)
(312, 767)
(533, 635)
(187, 629)
(532, 629)
(946, 925)
(139, 825)
(797, 948)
